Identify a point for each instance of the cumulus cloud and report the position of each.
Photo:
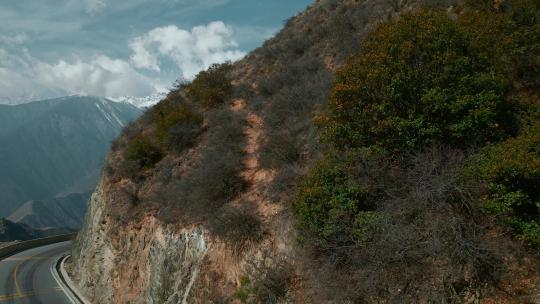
(23, 77)
(100, 76)
(192, 51)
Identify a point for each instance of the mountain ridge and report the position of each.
(56, 146)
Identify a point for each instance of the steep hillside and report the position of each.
(298, 176)
(55, 147)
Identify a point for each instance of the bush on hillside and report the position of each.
(336, 200)
(219, 176)
(178, 129)
(291, 96)
(238, 229)
(510, 32)
(419, 81)
(267, 280)
(141, 154)
(211, 87)
(382, 224)
(511, 171)
(214, 177)
(288, 121)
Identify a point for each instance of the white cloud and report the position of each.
(101, 76)
(95, 6)
(23, 78)
(192, 51)
(14, 39)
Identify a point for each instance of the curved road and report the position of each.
(26, 277)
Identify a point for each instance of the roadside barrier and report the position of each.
(25, 245)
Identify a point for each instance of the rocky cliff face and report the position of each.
(147, 262)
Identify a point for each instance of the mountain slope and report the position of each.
(56, 146)
(65, 212)
(195, 204)
(10, 231)
(212, 217)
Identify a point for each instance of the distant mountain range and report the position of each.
(11, 231)
(140, 102)
(51, 153)
(67, 212)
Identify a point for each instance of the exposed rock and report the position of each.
(143, 263)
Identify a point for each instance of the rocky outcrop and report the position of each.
(132, 264)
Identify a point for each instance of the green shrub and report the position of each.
(511, 171)
(211, 87)
(335, 200)
(510, 32)
(141, 154)
(419, 81)
(179, 128)
(214, 176)
(266, 283)
(245, 293)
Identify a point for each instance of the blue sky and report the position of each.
(51, 48)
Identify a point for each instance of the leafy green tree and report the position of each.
(418, 81)
(509, 32)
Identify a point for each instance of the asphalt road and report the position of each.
(26, 277)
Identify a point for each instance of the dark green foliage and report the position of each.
(511, 171)
(211, 87)
(141, 154)
(418, 81)
(510, 32)
(396, 96)
(335, 200)
(178, 129)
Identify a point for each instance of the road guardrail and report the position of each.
(25, 245)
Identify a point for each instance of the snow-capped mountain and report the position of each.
(140, 102)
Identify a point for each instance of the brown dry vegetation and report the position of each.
(257, 140)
